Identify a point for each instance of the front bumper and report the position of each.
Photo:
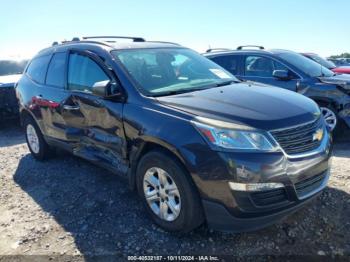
(302, 177)
(219, 218)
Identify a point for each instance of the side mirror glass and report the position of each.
(100, 88)
(281, 74)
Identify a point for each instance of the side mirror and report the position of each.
(108, 90)
(301, 85)
(100, 88)
(281, 74)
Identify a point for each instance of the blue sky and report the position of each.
(320, 26)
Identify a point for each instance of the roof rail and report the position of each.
(135, 39)
(164, 42)
(256, 46)
(217, 49)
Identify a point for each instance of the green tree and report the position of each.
(345, 55)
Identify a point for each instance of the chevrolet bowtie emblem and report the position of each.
(318, 135)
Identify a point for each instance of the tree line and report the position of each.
(343, 55)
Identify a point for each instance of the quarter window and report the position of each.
(83, 73)
(55, 73)
(38, 67)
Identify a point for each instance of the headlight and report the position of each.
(229, 138)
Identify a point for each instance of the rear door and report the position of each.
(260, 69)
(93, 123)
(47, 73)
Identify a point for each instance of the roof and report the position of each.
(308, 54)
(243, 51)
(108, 42)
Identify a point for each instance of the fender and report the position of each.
(143, 144)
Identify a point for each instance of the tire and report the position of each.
(331, 112)
(41, 151)
(190, 214)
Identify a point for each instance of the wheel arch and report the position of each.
(326, 101)
(24, 113)
(146, 145)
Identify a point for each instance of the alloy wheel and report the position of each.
(330, 117)
(162, 194)
(33, 139)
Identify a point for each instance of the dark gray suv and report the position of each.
(195, 142)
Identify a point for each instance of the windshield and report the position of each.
(306, 65)
(322, 61)
(165, 71)
(9, 67)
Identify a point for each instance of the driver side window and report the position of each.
(260, 66)
(83, 73)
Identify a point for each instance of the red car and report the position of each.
(328, 64)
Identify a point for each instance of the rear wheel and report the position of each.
(35, 140)
(168, 193)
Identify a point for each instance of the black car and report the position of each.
(328, 64)
(320, 60)
(292, 71)
(197, 144)
(10, 73)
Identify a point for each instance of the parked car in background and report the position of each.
(292, 71)
(345, 60)
(10, 72)
(339, 61)
(197, 143)
(328, 64)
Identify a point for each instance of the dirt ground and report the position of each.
(66, 207)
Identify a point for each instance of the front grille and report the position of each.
(298, 139)
(308, 185)
(270, 197)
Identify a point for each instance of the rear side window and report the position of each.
(83, 73)
(38, 67)
(230, 63)
(55, 73)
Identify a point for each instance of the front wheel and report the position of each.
(330, 117)
(168, 192)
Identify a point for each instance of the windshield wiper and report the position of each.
(226, 83)
(177, 92)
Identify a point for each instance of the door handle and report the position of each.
(68, 107)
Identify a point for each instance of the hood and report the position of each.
(258, 106)
(341, 80)
(9, 80)
(342, 70)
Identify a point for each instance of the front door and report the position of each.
(260, 69)
(94, 125)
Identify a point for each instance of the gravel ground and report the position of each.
(67, 206)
